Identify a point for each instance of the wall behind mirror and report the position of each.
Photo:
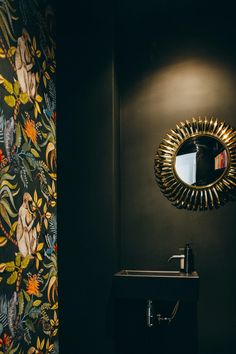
(176, 60)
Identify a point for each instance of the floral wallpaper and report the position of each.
(28, 198)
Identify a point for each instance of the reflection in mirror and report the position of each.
(201, 160)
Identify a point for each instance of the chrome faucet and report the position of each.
(181, 257)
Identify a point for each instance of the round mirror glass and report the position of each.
(201, 161)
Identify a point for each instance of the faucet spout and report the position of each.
(176, 256)
(181, 257)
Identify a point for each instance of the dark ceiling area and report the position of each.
(166, 31)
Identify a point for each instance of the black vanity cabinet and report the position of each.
(176, 330)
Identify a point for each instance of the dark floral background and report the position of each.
(28, 224)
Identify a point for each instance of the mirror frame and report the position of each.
(189, 197)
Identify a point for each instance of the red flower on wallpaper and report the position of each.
(5, 341)
(3, 159)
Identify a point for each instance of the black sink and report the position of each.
(155, 284)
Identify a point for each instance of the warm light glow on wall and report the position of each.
(191, 84)
(185, 88)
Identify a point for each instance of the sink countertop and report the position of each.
(155, 273)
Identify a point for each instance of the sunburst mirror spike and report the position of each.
(195, 164)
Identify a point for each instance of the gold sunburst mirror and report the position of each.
(195, 164)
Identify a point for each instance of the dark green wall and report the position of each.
(150, 37)
(161, 46)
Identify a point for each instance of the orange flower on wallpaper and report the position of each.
(32, 287)
(30, 130)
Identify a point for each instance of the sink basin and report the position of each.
(155, 284)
